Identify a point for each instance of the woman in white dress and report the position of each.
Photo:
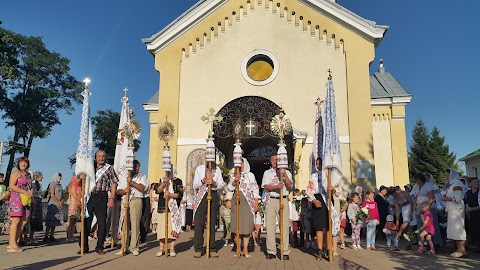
(455, 209)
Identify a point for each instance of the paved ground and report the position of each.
(63, 255)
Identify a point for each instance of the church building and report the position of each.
(252, 59)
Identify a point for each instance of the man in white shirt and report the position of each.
(135, 184)
(201, 180)
(272, 184)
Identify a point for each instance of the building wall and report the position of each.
(382, 146)
(295, 43)
(470, 166)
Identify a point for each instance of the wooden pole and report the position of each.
(165, 246)
(281, 220)
(125, 219)
(82, 230)
(237, 214)
(329, 233)
(113, 223)
(209, 201)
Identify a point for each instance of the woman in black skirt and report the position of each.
(36, 223)
(316, 191)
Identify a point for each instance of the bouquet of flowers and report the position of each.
(363, 214)
(342, 203)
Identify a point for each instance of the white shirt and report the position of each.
(138, 178)
(294, 214)
(269, 176)
(249, 179)
(422, 193)
(200, 174)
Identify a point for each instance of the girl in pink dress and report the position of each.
(427, 229)
(20, 183)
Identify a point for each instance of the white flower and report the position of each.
(365, 210)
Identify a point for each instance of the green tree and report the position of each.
(106, 131)
(36, 86)
(439, 156)
(429, 153)
(417, 155)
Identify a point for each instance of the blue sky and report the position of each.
(431, 48)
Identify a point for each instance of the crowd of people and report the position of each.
(424, 215)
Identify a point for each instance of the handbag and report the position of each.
(26, 201)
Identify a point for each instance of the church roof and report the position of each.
(471, 155)
(384, 85)
(203, 8)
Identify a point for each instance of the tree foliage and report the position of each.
(429, 153)
(106, 131)
(35, 86)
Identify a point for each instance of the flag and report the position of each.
(84, 162)
(317, 150)
(120, 161)
(331, 145)
(121, 154)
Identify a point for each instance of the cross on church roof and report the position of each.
(125, 90)
(210, 118)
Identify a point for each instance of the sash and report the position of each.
(267, 196)
(247, 191)
(90, 187)
(201, 193)
(176, 217)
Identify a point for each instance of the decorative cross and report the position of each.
(251, 127)
(210, 118)
(125, 90)
(86, 82)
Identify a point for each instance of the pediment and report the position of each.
(205, 8)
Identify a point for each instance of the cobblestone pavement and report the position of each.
(62, 255)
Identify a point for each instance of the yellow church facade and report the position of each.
(249, 60)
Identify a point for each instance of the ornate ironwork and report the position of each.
(259, 110)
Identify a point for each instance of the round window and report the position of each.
(260, 67)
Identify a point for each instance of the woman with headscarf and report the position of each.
(423, 193)
(359, 190)
(434, 208)
(249, 195)
(74, 205)
(54, 210)
(456, 212)
(36, 219)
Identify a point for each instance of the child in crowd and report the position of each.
(225, 215)
(295, 219)
(427, 229)
(390, 231)
(258, 228)
(352, 211)
(306, 218)
(343, 219)
(374, 219)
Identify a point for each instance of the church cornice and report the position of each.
(205, 8)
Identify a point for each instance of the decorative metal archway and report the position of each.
(255, 113)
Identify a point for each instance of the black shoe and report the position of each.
(286, 257)
(271, 256)
(45, 240)
(100, 251)
(52, 239)
(143, 240)
(84, 252)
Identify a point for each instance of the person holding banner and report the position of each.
(249, 195)
(175, 194)
(105, 180)
(202, 178)
(317, 194)
(272, 184)
(135, 185)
